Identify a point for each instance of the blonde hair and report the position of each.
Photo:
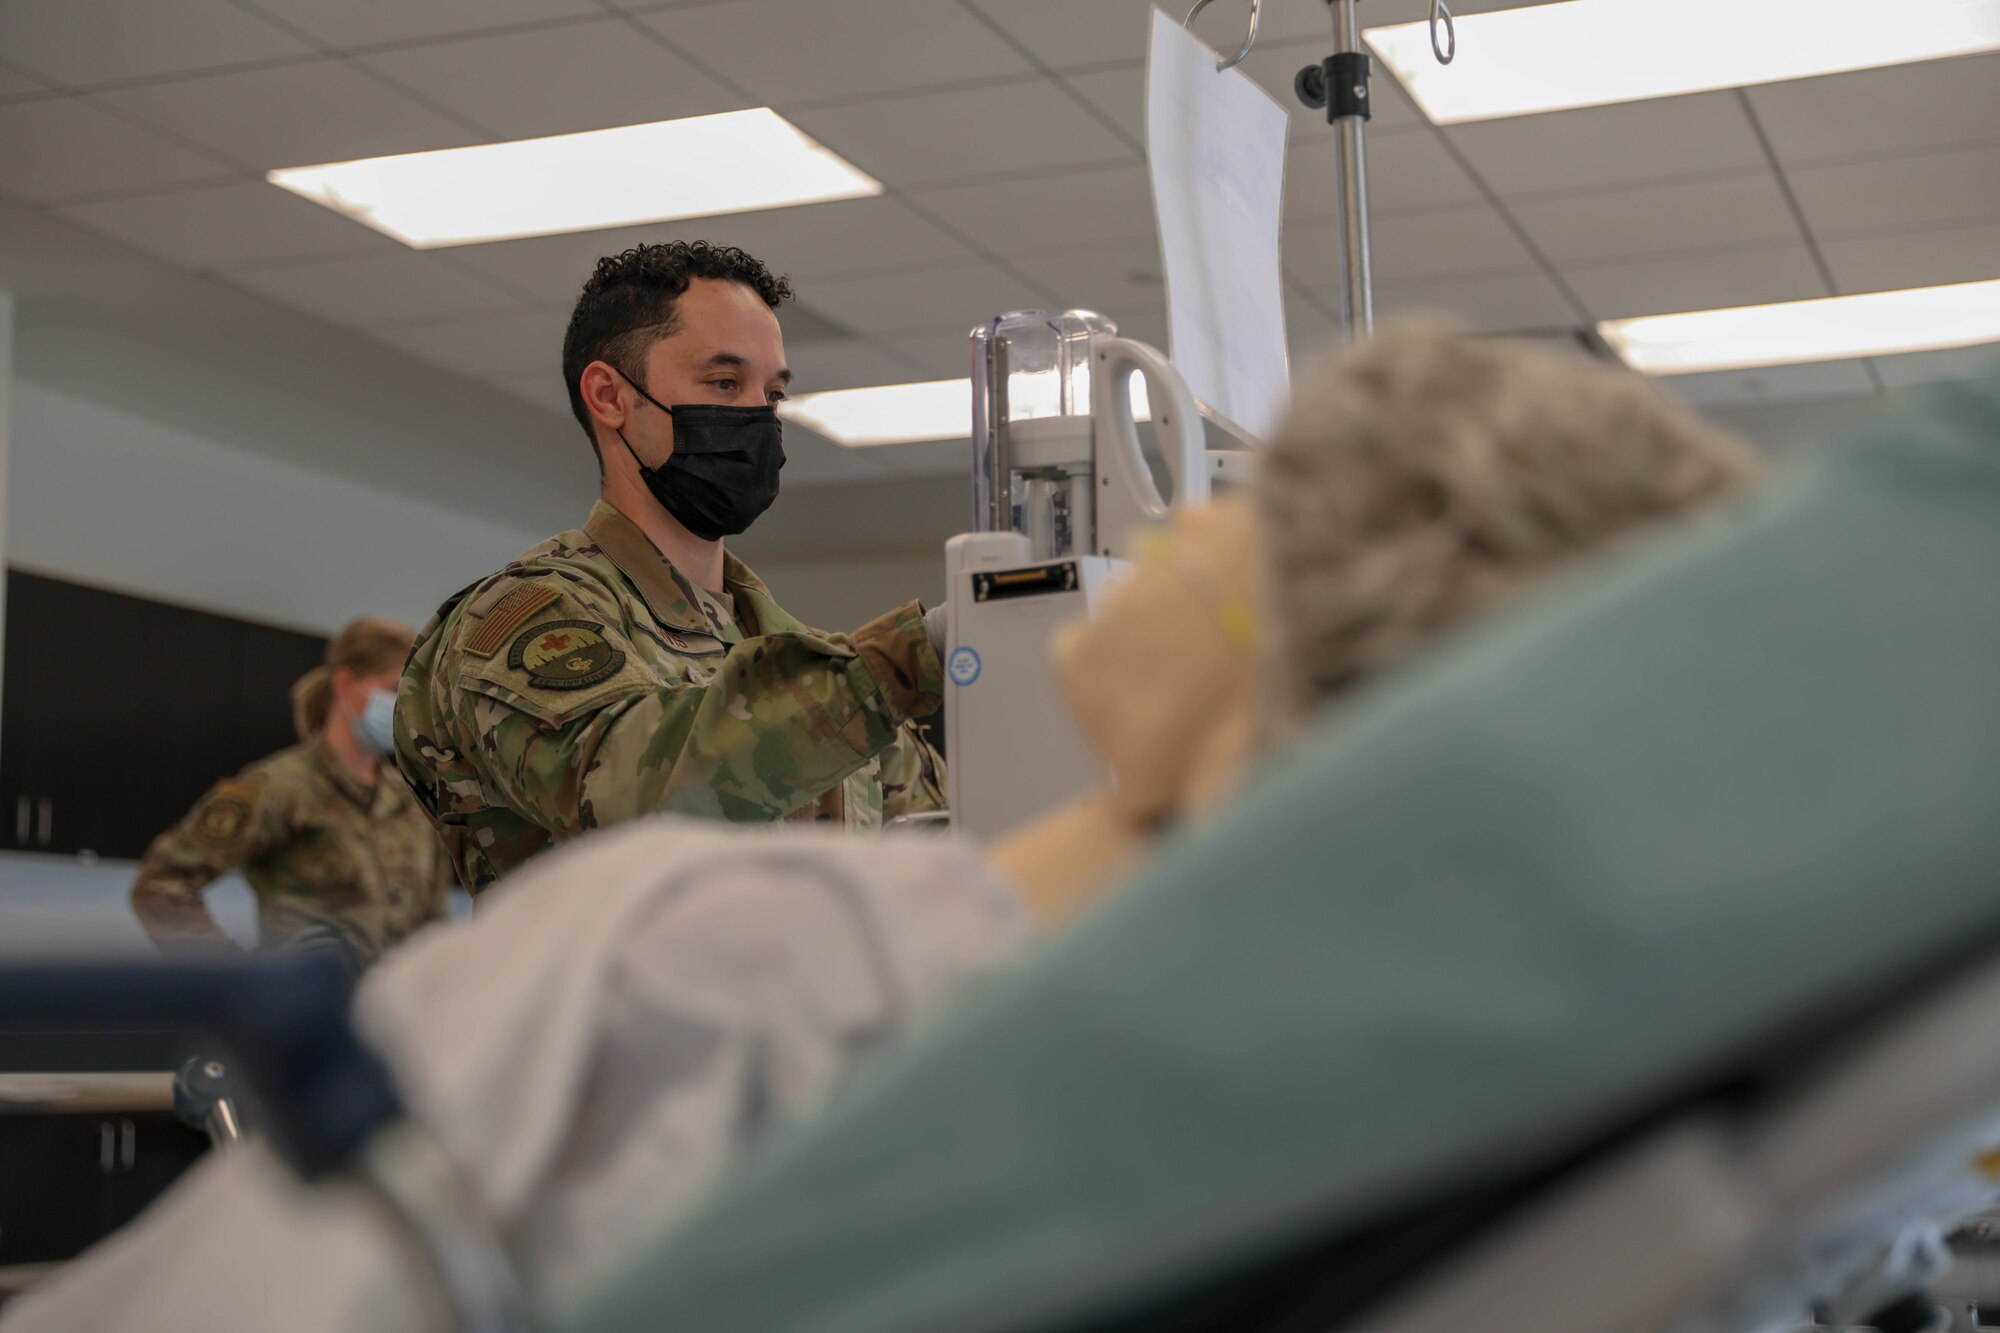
(1426, 476)
(367, 647)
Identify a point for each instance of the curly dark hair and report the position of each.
(628, 305)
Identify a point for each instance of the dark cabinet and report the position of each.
(72, 1179)
(117, 712)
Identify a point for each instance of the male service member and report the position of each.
(634, 666)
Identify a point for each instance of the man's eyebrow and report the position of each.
(732, 360)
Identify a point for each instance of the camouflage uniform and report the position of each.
(318, 848)
(589, 682)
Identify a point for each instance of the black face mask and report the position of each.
(723, 472)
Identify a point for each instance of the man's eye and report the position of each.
(776, 395)
(727, 386)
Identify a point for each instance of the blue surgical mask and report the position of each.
(376, 727)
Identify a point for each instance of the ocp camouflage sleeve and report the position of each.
(751, 735)
(232, 824)
(444, 878)
(913, 776)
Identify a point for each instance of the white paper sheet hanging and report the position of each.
(1216, 145)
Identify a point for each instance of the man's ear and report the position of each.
(603, 390)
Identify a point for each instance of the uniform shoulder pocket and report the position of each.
(494, 613)
(556, 661)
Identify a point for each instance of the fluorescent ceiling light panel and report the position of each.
(886, 413)
(698, 167)
(1834, 328)
(903, 413)
(1517, 62)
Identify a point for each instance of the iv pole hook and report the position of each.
(1441, 21)
(1228, 62)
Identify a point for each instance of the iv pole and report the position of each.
(1339, 85)
(1342, 89)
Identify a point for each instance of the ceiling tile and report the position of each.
(948, 355)
(802, 324)
(952, 136)
(943, 355)
(57, 147)
(1122, 282)
(361, 23)
(226, 226)
(300, 115)
(1932, 257)
(1413, 247)
(1309, 333)
(1772, 384)
(1276, 65)
(807, 243)
(518, 344)
(920, 301)
(1699, 282)
(543, 388)
(1882, 110)
(1719, 214)
(579, 76)
(1904, 191)
(1147, 326)
(403, 285)
(1120, 93)
(848, 364)
(551, 268)
(1960, 363)
(838, 50)
(18, 83)
(648, 6)
(1482, 305)
(1067, 33)
(1612, 145)
(1407, 173)
(1039, 214)
(83, 42)
(826, 240)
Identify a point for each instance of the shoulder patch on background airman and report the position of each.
(224, 813)
(507, 615)
(565, 655)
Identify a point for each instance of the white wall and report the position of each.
(104, 497)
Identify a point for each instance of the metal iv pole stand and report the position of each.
(1339, 84)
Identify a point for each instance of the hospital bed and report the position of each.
(1633, 962)
(1631, 952)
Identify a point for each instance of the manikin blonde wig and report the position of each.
(1426, 476)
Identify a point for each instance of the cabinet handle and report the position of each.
(106, 1144)
(45, 821)
(21, 820)
(128, 1144)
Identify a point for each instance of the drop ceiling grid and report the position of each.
(1872, 158)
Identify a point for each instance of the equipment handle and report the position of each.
(1130, 492)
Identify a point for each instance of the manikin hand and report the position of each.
(1164, 679)
(1163, 682)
